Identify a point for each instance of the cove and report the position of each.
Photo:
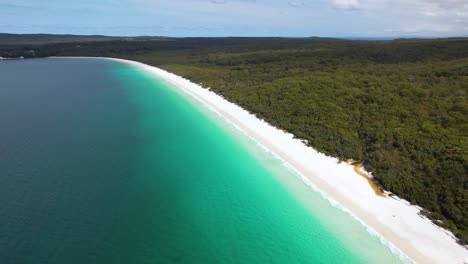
(102, 162)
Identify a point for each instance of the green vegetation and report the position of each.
(400, 107)
(28, 39)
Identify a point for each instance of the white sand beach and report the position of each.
(395, 220)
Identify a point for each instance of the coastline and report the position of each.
(395, 221)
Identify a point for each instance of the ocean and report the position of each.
(102, 162)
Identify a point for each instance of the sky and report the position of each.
(216, 18)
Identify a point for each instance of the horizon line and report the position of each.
(357, 37)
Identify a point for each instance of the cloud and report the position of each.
(335, 18)
(425, 7)
(18, 5)
(448, 4)
(346, 4)
(296, 3)
(218, 1)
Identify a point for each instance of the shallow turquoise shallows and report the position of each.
(101, 162)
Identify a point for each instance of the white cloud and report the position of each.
(448, 4)
(296, 3)
(371, 18)
(346, 4)
(407, 17)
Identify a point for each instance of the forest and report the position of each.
(397, 106)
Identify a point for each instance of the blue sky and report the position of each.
(288, 18)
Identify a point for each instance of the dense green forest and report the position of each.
(400, 107)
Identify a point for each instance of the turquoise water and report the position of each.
(102, 163)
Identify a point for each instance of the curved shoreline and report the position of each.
(394, 220)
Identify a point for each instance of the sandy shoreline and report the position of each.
(398, 222)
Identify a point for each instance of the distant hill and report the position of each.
(6, 38)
